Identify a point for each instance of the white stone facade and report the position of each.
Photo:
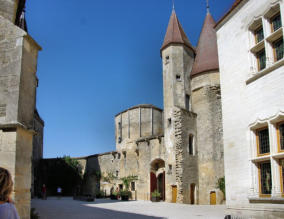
(251, 99)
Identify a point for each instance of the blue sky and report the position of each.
(100, 57)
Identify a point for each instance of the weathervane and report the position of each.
(207, 6)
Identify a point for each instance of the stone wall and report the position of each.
(206, 102)
(251, 99)
(18, 60)
(186, 164)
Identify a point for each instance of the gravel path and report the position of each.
(66, 208)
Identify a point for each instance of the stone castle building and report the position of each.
(19, 120)
(179, 150)
(199, 136)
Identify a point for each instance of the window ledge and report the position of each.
(259, 46)
(266, 199)
(265, 71)
(261, 158)
(278, 155)
(275, 35)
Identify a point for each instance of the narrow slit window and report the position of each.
(278, 49)
(261, 59)
(190, 145)
(178, 78)
(263, 141)
(276, 22)
(265, 178)
(187, 102)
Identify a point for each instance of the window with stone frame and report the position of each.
(259, 35)
(265, 181)
(262, 139)
(280, 136)
(278, 49)
(281, 165)
(276, 22)
(261, 59)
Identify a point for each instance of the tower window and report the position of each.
(190, 145)
(178, 78)
(187, 102)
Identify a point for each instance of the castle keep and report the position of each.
(177, 151)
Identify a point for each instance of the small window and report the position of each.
(265, 178)
(261, 59)
(120, 186)
(178, 78)
(259, 36)
(118, 156)
(132, 186)
(278, 49)
(167, 59)
(169, 121)
(280, 133)
(170, 169)
(187, 102)
(276, 22)
(190, 145)
(116, 173)
(263, 141)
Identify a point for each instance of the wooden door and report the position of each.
(174, 194)
(192, 193)
(212, 198)
(153, 182)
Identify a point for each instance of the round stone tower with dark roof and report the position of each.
(206, 103)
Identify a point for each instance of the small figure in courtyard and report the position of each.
(43, 192)
(7, 208)
(59, 191)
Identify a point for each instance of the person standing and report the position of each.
(43, 192)
(59, 191)
(7, 208)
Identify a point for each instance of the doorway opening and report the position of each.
(157, 177)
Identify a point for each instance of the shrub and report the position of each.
(125, 193)
(221, 185)
(156, 194)
(100, 194)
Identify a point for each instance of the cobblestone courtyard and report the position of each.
(54, 208)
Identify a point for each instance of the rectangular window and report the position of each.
(282, 175)
(259, 36)
(261, 59)
(187, 102)
(276, 22)
(190, 145)
(265, 178)
(278, 49)
(263, 141)
(132, 186)
(280, 135)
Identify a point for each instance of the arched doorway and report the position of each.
(157, 177)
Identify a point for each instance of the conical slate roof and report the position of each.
(175, 33)
(207, 53)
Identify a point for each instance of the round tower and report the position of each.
(206, 103)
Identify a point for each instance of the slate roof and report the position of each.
(206, 53)
(175, 33)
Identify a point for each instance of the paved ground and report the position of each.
(66, 208)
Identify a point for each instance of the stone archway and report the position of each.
(157, 177)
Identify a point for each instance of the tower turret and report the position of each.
(178, 56)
